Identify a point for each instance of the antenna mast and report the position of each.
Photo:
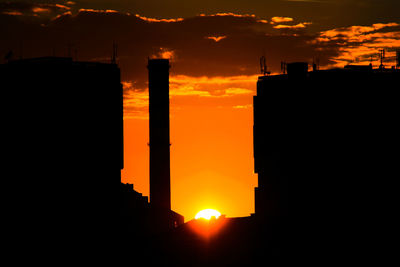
(382, 57)
(283, 67)
(114, 54)
(263, 66)
(315, 64)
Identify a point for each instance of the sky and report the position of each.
(214, 48)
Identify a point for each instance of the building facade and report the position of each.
(63, 127)
(322, 145)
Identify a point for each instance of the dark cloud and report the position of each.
(361, 44)
(325, 14)
(192, 42)
(20, 8)
(213, 56)
(91, 33)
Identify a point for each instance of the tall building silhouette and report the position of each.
(63, 122)
(163, 217)
(160, 188)
(323, 142)
(63, 148)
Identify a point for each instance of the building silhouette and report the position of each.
(323, 149)
(63, 122)
(323, 142)
(160, 188)
(160, 184)
(63, 146)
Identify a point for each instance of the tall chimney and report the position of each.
(160, 188)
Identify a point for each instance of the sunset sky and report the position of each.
(214, 47)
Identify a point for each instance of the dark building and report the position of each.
(160, 185)
(63, 146)
(323, 143)
(63, 152)
(160, 188)
(135, 212)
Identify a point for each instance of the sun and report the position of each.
(207, 214)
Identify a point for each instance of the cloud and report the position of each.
(190, 42)
(354, 32)
(234, 15)
(277, 21)
(186, 88)
(32, 9)
(262, 21)
(361, 44)
(158, 20)
(136, 101)
(281, 19)
(229, 14)
(41, 10)
(186, 41)
(212, 56)
(12, 13)
(216, 38)
(293, 27)
(165, 53)
(243, 106)
(212, 86)
(89, 10)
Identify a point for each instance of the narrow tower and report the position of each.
(160, 188)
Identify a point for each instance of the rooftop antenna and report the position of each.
(283, 67)
(382, 57)
(315, 64)
(263, 66)
(114, 54)
(370, 62)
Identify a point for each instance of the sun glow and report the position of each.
(207, 214)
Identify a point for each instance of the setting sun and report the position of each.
(207, 214)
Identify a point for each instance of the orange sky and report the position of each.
(211, 152)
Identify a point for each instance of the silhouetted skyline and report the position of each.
(314, 131)
(123, 119)
(214, 49)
